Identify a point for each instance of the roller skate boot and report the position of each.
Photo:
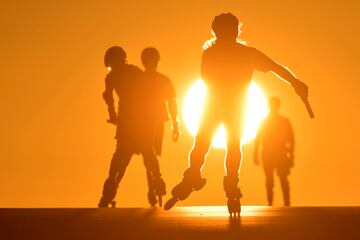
(233, 195)
(192, 181)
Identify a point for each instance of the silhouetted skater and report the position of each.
(160, 103)
(134, 131)
(276, 140)
(227, 67)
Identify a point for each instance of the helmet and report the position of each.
(114, 54)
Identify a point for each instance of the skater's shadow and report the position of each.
(133, 228)
(234, 224)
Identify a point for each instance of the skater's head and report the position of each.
(274, 104)
(225, 27)
(114, 57)
(150, 58)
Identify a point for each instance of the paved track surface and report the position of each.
(181, 223)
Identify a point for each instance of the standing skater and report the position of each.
(276, 140)
(161, 102)
(134, 130)
(227, 67)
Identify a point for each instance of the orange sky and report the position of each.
(56, 145)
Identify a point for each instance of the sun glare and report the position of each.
(256, 110)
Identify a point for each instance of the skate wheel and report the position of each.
(234, 208)
(170, 203)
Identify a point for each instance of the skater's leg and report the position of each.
(151, 162)
(285, 189)
(202, 144)
(192, 179)
(151, 190)
(232, 165)
(152, 166)
(233, 156)
(269, 179)
(192, 175)
(118, 165)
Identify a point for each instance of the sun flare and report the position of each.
(256, 110)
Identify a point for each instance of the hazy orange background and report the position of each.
(56, 145)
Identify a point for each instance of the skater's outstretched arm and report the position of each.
(265, 64)
(109, 100)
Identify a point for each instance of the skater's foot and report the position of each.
(160, 187)
(152, 198)
(184, 188)
(170, 203)
(233, 195)
(105, 202)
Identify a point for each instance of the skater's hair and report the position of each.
(113, 55)
(224, 24)
(150, 56)
(274, 103)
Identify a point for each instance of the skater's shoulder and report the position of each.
(133, 68)
(250, 49)
(163, 77)
(283, 119)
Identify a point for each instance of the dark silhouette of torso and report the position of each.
(276, 138)
(128, 84)
(227, 70)
(159, 91)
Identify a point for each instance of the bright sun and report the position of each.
(256, 110)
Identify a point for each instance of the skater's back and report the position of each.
(125, 80)
(227, 67)
(276, 134)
